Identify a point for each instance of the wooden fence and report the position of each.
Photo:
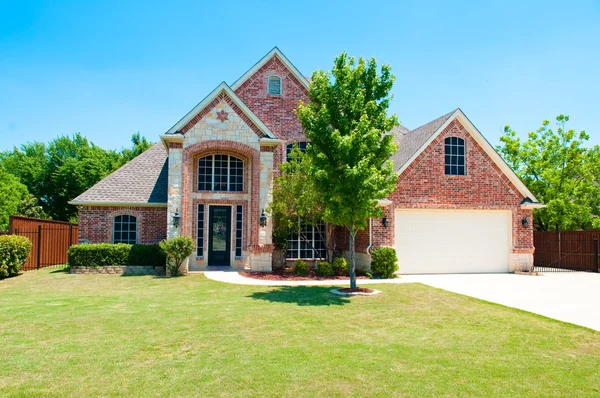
(51, 240)
(566, 250)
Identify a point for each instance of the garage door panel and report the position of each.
(451, 241)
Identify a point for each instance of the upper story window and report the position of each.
(454, 150)
(125, 229)
(274, 85)
(220, 173)
(290, 147)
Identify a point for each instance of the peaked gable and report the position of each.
(222, 93)
(442, 123)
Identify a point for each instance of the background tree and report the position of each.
(296, 202)
(29, 206)
(560, 171)
(59, 171)
(11, 193)
(349, 156)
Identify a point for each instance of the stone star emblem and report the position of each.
(222, 116)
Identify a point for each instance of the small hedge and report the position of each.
(176, 251)
(301, 268)
(107, 254)
(324, 269)
(384, 262)
(340, 267)
(14, 251)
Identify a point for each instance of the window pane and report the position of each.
(200, 232)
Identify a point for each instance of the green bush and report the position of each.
(384, 262)
(301, 268)
(324, 269)
(107, 254)
(340, 266)
(176, 251)
(14, 251)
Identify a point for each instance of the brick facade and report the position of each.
(96, 223)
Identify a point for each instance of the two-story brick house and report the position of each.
(457, 208)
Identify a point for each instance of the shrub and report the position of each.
(301, 268)
(107, 254)
(324, 269)
(340, 266)
(176, 251)
(14, 251)
(384, 262)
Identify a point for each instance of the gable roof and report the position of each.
(413, 143)
(141, 182)
(275, 52)
(221, 88)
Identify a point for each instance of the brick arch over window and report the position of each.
(252, 157)
(124, 212)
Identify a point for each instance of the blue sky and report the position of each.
(108, 69)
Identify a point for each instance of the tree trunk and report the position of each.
(352, 261)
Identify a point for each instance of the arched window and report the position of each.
(454, 150)
(220, 173)
(274, 85)
(290, 147)
(125, 229)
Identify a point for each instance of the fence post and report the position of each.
(595, 255)
(39, 248)
(70, 235)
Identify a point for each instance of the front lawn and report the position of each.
(99, 335)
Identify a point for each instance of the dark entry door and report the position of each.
(219, 237)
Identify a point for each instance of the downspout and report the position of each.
(370, 236)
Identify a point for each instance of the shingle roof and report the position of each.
(409, 141)
(143, 180)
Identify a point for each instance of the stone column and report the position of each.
(266, 195)
(174, 189)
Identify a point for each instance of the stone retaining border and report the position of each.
(120, 270)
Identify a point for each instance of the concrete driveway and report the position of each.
(570, 297)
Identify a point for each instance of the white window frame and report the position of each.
(241, 231)
(299, 240)
(201, 225)
(461, 142)
(280, 85)
(129, 222)
(212, 174)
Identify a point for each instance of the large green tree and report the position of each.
(560, 170)
(59, 171)
(347, 123)
(12, 193)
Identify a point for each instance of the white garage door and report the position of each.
(452, 241)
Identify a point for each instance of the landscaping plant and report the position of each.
(14, 251)
(301, 268)
(176, 251)
(384, 262)
(324, 269)
(340, 266)
(120, 254)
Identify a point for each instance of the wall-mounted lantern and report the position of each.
(384, 221)
(525, 222)
(263, 219)
(176, 218)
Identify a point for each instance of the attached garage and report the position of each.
(452, 241)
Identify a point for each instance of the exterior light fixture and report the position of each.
(525, 222)
(176, 218)
(384, 221)
(263, 219)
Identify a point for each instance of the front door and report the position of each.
(219, 237)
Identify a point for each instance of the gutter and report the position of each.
(370, 236)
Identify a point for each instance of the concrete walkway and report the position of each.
(568, 297)
(236, 278)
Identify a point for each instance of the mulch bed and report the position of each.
(288, 276)
(356, 290)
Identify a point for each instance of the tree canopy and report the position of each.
(560, 171)
(60, 170)
(347, 124)
(12, 192)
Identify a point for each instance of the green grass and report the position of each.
(100, 335)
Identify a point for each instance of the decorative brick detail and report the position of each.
(175, 145)
(222, 97)
(96, 223)
(120, 270)
(264, 148)
(262, 248)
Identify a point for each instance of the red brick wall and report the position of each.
(96, 223)
(276, 112)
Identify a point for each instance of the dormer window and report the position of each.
(274, 85)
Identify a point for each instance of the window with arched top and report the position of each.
(220, 172)
(454, 151)
(125, 229)
(274, 85)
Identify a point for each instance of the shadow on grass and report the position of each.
(301, 295)
(63, 270)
